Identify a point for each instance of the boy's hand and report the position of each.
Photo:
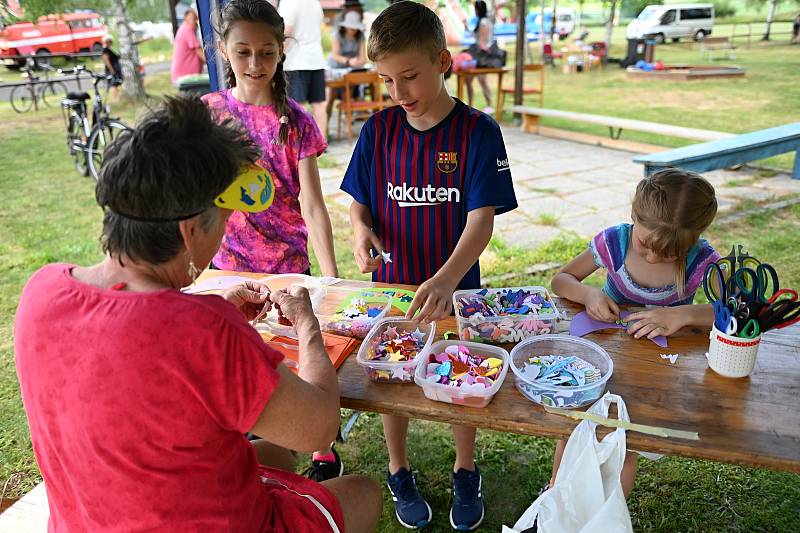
(600, 307)
(365, 242)
(433, 300)
(654, 322)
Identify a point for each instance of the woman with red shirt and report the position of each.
(138, 396)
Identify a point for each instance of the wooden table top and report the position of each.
(752, 421)
(482, 70)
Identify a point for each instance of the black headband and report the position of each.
(155, 219)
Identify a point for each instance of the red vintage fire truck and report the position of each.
(53, 34)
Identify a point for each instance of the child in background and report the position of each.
(274, 241)
(659, 260)
(427, 178)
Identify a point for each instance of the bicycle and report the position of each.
(23, 97)
(87, 140)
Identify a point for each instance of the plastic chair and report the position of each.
(550, 55)
(356, 106)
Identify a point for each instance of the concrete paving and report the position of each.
(565, 186)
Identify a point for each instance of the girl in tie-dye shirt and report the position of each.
(659, 260)
(276, 240)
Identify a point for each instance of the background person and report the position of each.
(187, 53)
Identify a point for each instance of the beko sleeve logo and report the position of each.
(502, 164)
(406, 196)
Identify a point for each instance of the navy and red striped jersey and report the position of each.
(420, 185)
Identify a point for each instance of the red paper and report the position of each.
(337, 346)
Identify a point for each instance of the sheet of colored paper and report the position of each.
(402, 297)
(338, 348)
(370, 296)
(582, 324)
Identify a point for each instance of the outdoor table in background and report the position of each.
(462, 74)
(751, 421)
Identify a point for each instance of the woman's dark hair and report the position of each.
(343, 33)
(263, 12)
(171, 166)
(480, 12)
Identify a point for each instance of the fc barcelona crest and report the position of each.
(447, 162)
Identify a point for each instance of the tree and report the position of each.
(132, 85)
(610, 24)
(770, 15)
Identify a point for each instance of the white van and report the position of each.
(673, 21)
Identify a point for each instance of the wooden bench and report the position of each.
(531, 115)
(709, 45)
(731, 151)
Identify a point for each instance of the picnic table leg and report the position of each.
(796, 169)
(498, 108)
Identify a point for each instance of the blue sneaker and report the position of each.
(466, 513)
(410, 507)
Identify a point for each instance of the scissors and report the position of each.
(780, 312)
(736, 260)
(755, 285)
(717, 293)
(750, 330)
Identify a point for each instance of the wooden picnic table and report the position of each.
(751, 421)
(463, 74)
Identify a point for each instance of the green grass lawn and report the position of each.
(49, 215)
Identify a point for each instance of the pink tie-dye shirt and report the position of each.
(274, 241)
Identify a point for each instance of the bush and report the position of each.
(723, 9)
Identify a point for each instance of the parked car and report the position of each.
(673, 21)
(52, 34)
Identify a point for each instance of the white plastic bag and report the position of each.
(587, 496)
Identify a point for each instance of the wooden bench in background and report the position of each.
(709, 45)
(531, 116)
(735, 150)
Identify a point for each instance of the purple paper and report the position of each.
(583, 324)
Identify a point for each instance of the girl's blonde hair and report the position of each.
(259, 11)
(676, 206)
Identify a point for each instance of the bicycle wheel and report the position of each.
(52, 93)
(100, 138)
(22, 98)
(76, 143)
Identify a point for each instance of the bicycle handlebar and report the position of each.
(81, 68)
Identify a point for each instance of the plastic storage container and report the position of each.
(564, 345)
(316, 292)
(391, 371)
(472, 397)
(504, 329)
(333, 320)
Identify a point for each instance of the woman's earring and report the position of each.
(193, 271)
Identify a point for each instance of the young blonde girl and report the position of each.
(251, 42)
(658, 261)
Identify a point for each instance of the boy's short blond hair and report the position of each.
(405, 25)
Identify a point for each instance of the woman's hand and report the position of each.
(249, 297)
(600, 307)
(654, 322)
(295, 305)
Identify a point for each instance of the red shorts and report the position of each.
(300, 505)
